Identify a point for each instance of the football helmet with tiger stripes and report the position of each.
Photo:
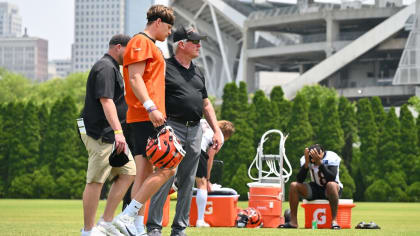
(164, 151)
(249, 218)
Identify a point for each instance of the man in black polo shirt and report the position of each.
(186, 102)
(104, 111)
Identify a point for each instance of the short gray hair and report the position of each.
(175, 45)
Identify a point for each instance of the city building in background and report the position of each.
(96, 21)
(10, 20)
(59, 68)
(25, 55)
(135, 15)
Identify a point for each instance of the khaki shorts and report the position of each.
(98, 164)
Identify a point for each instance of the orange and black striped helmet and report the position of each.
(164, 151)
(249, 218)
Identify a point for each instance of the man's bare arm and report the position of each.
(210, 116)
(112, 117)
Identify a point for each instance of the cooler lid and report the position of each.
(341, 201)
(257, 184)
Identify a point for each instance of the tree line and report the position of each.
(41, 155)
(379, 150)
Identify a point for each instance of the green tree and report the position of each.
(300, 132)
(389, 149)
(322, 92)
(414, 101)
(378, 112)
(378, 191)
(30, 140)
(50, 91)
(14, 152)
(43, 117)
(368, 134)
(240, 180)
(70, 184)
(50, 142)
(408, 144)
(3, 157)
(39, 184)
(389, 158)
(239, 149)
(418, 131)
(349, 187)
(413, 192)
(67, 155)
(331, 134)
(266, 114)
(21, 187)
(14, 87)
(243, 101)
(62, 145)
(348, 122)
(283, 106)
(230, 102)
(43, 183)
(315, 118)
(396, 179)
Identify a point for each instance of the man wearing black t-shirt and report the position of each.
(186, 103)
(101, 125)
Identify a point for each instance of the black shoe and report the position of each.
(154, 232)
(178, 233)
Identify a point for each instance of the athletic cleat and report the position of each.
(97, 232)
(108, 228)
(155, 232)
(125, 224)
(141, 231)
(201, 224)
(84, 233)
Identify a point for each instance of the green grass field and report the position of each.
(64, 217)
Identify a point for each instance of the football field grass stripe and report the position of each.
(65, 217)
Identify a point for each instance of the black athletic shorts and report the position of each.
(140, 132)
(202, 165)
(317, 192)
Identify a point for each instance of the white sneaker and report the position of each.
(125, 224)
(108, 228)
(93, 232)
(141, 231)
(97, 232)
(84, 233)
(201, 223)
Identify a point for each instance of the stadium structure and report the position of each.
(352, 47)
(223, 21)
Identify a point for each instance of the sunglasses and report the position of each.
(194, 41)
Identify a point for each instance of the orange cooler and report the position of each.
(267, 199)
(320, 210)
(221, 210)
(165, 218)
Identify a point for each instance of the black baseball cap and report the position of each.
(186, 32)
(120, 39)
(120, 159)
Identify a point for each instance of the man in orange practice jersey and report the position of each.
(144, 76)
